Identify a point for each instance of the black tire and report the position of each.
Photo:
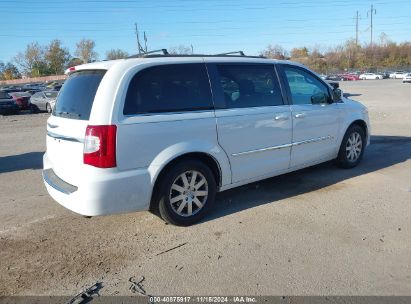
(342, 160)
(48, 108)
(165, 206)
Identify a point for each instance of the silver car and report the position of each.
(43, 101)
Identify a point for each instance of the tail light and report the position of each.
(100, 146)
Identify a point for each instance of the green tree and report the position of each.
(116, 54)
(73, 62)
(10, 71)
(85, 50)
(56, 57)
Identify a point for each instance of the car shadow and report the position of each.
(384, 151)
(25, 161)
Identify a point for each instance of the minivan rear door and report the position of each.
(67, 125)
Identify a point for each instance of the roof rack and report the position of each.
(231, 53)
(164, 51)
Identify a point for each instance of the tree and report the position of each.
(32, 61)
(10, 72)
(180, 50)
(116, 54)
(85, 50)
(275, 51)
(56, 57)
(299, 52)
(73, 62)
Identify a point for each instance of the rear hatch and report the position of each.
(67, 125)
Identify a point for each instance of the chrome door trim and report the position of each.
(263, 150)
(312, 140)
(297, 143)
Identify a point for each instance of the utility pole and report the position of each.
(139, 45)
(138, 39)
(372, 12)
(356, 28)
(145, 42)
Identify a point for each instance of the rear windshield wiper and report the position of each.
(68, 114)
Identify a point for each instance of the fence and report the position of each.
(33, 79)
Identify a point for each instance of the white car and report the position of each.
(407, 78)
(168, 133)
(367, 76)
(398, 74)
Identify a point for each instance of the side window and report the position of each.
(249, 86)
(169, 88)
(305, 88)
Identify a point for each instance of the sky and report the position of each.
(211, 26)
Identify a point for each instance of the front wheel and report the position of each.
(187, 192)
(352, 147)
(48, 108)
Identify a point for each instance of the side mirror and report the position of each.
(337, 94)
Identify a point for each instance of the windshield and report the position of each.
(51, 94)
(77, 94)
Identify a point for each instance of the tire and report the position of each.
(352, 147)
(48, 108)
(171, 188)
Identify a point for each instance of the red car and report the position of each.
(22, 99)
(349, 77)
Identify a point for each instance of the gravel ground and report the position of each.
(318, 231)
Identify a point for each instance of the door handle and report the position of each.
(280, 117)
(300, 115)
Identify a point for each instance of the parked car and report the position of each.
(22, 99)
(7, 104)
(43, 101)
(334, 78)
(398, 74)
(349, 77)
(367, 76)
(407, 78)
(168, 132)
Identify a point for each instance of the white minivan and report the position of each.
(165, 133)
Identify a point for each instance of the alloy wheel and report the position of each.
(188, 193)
(354, 147)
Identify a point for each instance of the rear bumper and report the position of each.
(100, 191)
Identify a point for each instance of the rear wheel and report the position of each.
(187, 192)
(352, 147)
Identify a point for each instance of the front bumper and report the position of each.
(104, 193)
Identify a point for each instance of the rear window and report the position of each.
(77, 95)
(169, 88)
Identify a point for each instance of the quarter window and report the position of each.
(305, 88)
(249, 86)
(169, 88)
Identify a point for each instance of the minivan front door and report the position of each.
(315, 119)
(253, 123)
